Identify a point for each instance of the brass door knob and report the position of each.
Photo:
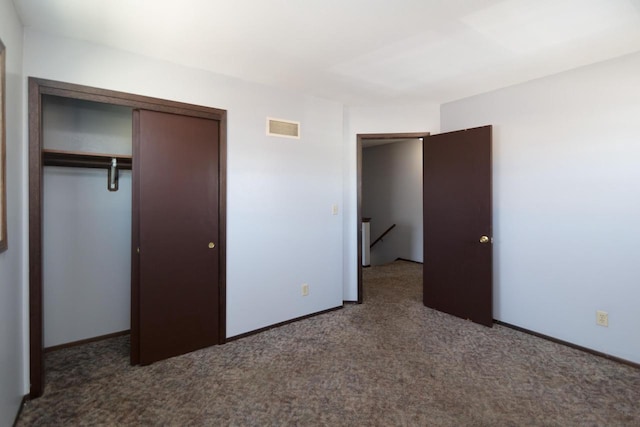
(484, 239)
(212, 245)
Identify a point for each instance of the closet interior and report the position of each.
(86, 216)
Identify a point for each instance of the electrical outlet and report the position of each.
(334, 209)
(305, 289)
(602, 318)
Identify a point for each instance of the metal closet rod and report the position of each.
(84, 160)
(75, 159)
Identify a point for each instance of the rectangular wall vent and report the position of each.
(284, 128)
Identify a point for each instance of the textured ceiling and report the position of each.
(357, 51)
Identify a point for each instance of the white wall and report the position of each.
(420, 117)
(280, 230)
(86, 254)
(392, 194)
(12, 291)
(566, 202)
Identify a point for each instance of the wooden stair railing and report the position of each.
(382, 235)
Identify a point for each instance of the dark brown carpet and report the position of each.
(387, 362)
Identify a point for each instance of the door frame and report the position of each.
(37, 89)
(360, 138)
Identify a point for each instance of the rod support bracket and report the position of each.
(112, 179)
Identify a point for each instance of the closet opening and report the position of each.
(87, 147)
(86, 217)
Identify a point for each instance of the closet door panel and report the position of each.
(178, 260)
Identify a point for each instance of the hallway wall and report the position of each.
(392, 194)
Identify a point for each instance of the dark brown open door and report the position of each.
(458, 224)
(175, 283)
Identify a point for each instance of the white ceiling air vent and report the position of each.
(284, 128)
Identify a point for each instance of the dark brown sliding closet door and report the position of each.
(175, 288)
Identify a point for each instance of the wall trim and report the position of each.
(85, 341)
(22, 403)
(568, 344)
(286, 322)
(409, 260)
